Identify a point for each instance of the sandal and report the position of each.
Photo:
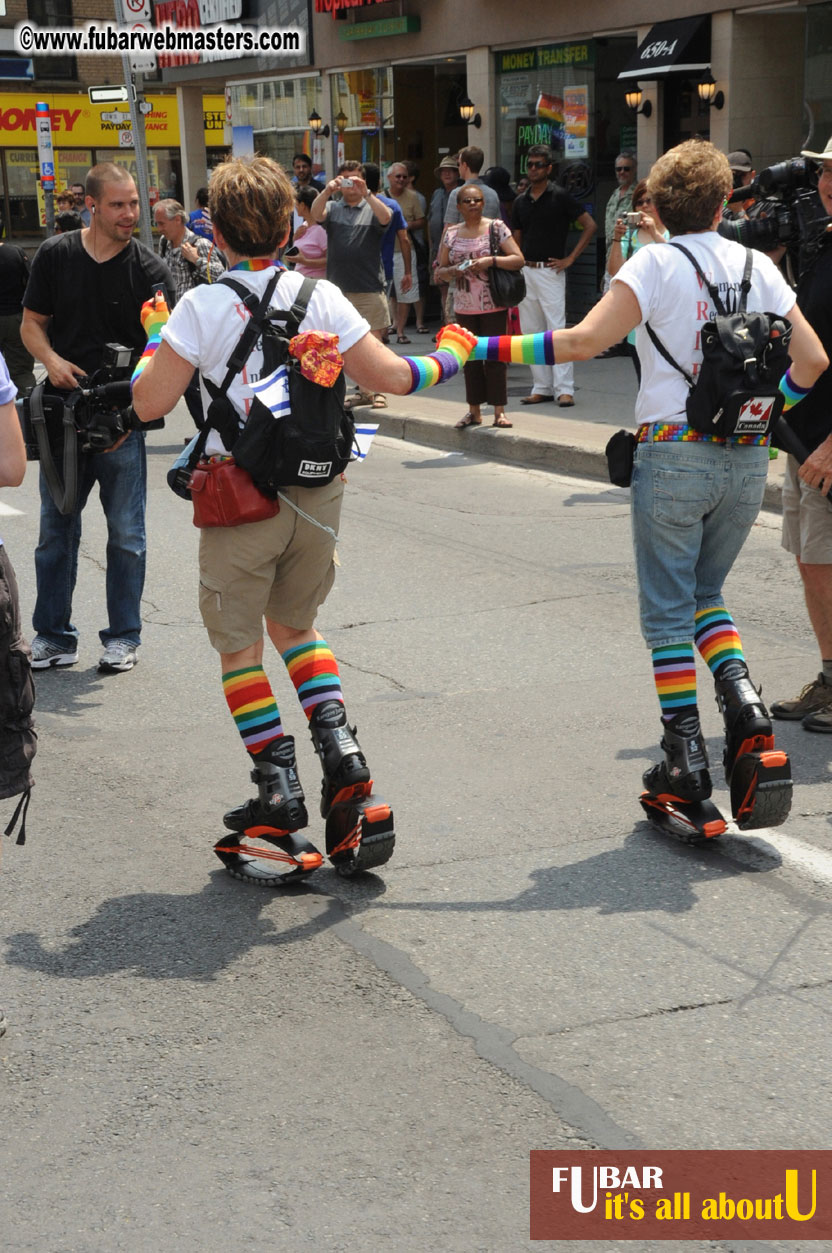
(469, 420)
(421, 330)
(402, 339)
(502, 421)
(379, 401)
(363, 398)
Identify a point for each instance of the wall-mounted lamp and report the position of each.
(633, 98)
(468, 112)
(341, 121)
(316, 125)
(708, 94)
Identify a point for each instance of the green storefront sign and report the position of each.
(384, 26)
(519, 60)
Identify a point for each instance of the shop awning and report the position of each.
(672, 47)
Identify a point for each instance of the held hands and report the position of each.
(456, 339)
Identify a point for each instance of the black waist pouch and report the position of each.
(621, 451)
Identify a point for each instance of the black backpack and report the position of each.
(307, 447)
(744, 356)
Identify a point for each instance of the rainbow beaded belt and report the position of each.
(672, 432)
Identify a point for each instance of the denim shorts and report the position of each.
(693, 505)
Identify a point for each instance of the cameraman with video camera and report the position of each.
(85, 291)
(807, 513)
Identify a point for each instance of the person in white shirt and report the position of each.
(694, 497)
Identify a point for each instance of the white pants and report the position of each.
(544, 309)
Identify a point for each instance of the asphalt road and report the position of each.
(194, 1064)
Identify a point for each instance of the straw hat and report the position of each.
(826, 155)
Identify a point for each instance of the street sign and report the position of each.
(117, 93)
(116, 118)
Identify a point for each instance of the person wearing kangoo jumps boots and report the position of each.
(700, 460)
(268, 524)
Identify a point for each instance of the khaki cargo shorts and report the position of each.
(807, 520)
(281, 568)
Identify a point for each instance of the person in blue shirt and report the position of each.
(200, 220)
(396, 229)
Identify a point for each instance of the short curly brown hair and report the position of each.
(250, 200)
(688, 184)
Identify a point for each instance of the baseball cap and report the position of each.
(740, 161)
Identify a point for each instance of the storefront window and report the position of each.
(546, 95)
(365, 98)
(22, 185)
(278, 113)
(819, 74)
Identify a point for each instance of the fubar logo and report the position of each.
(681, 1195)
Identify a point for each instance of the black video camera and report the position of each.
(786, 211)
(98, 410)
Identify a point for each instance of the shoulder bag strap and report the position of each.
(64, 494)
(660, 348)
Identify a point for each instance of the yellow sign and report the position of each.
(75, 121)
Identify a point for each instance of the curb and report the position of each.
(523, 450)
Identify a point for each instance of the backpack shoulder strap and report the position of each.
(745, 284)
(712, 290)
(258, 309)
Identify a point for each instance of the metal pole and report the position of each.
(140, 149)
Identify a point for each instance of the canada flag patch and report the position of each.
(754, 416)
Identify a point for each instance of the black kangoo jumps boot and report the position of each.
(346, 776)
(280, 801)
(758, 774)
(683, 774)
(748, 727)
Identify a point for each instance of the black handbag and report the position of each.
(507, 287)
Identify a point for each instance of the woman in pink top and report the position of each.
(464, 258)
(311, 239)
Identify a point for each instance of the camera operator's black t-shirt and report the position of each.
(811, 420)
(93, 303)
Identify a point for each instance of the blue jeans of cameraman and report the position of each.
(122, 482)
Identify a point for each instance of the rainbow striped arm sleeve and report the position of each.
(536, 349)
(452, 351)
(792, 392)
(154, 315)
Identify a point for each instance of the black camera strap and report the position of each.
(64, 491)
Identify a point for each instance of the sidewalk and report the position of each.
(544, 437)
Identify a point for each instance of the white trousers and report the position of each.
(544, 309)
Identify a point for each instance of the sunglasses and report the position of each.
(471, 202)
(537, 165)
(623, 169)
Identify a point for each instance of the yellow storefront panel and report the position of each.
(78, 123)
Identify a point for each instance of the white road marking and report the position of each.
(773, 844)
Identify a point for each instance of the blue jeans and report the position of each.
(693, 505)
(122, 482)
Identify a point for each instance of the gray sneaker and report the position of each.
(46, 654)
(815, 698)
(118, 655)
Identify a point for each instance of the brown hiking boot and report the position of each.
(816, 697)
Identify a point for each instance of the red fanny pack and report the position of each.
(224, 494)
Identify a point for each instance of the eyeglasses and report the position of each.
(471, 202)
(537, 165)
(623, 169)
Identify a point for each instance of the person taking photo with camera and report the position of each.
(86, 290)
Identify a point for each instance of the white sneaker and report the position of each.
(46, 654)
(118, 655)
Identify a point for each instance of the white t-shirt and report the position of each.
(206, 325)
(674, 301)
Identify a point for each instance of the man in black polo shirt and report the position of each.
(540, 222)
(86, 289)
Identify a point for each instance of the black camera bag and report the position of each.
(744, 356)
(311, 444)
